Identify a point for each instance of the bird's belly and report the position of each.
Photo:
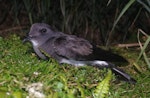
(82, 63)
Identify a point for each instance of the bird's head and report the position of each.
(39, 34)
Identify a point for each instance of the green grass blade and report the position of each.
(146, 60)
(143, 49)
(123, 11)
(120, 15)
(147, 7)
(143, 53)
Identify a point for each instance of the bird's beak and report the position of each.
(26, 39)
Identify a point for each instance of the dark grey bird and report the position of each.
(72, 50)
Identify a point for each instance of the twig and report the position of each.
(14, 28)
(129, 45)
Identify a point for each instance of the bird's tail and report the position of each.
(123, 75)
(118, 72)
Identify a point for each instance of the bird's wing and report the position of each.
(72, 47)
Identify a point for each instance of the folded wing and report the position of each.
(72, 47)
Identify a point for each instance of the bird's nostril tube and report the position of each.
(26, 39)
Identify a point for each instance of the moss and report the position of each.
(19, 67)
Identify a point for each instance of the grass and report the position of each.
(20, 67)
(98, 21)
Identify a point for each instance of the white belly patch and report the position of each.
(82, 63)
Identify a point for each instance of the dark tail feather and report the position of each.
(124, 76)
(119, 72)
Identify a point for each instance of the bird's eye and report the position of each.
(43, 30)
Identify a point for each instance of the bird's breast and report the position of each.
(34, 43)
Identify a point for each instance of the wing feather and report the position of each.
(71, 46)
